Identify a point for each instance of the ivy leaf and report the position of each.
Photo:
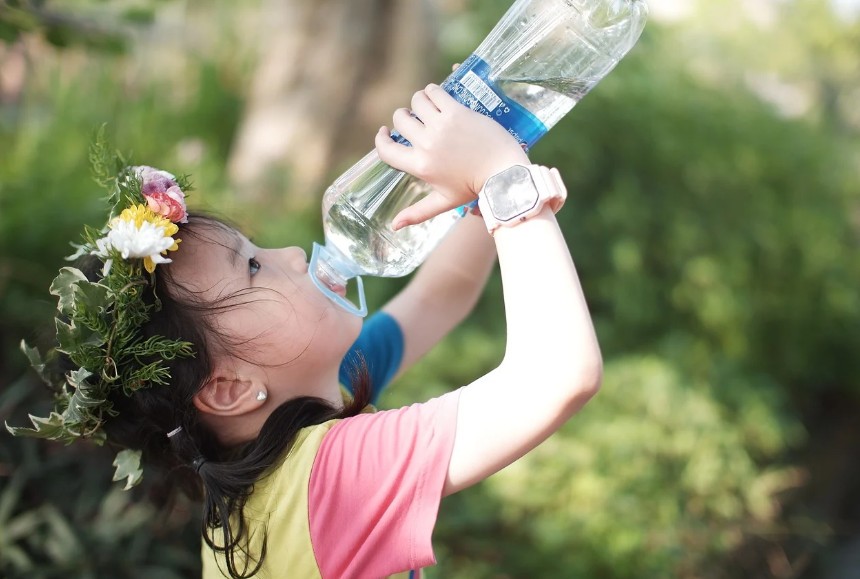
(68, 338)
(63, 287)
(53, 427)
(36, 362)
(76, 378)
(84, 397)
(127, 463)
(71, 338)
(92, 296)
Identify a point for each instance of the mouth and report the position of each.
(334, 287)
(337, 288)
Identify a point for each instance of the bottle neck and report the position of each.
(331, 272)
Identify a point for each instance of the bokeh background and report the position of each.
(713, 215)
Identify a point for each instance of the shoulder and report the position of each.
(394, 427)
(384, 472)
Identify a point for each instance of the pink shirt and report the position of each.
(375, 489)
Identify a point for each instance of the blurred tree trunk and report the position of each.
(15, 65)
(330, 73)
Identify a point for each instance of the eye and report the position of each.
(253, 266)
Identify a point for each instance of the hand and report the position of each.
(454, 149)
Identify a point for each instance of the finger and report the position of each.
(431, 206)
(423, 106)
(391, 152)
(440, 98)
(406, 123)
(455, 66)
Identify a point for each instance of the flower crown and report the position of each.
(98, 322)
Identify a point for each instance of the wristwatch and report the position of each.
(518, 193)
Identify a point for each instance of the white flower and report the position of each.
(138, 233)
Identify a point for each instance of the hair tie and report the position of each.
(197, 463)
(174, 432)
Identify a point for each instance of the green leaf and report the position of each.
(76, 378)
(84, 397)
(92, 297)
(185, 183)
(63, 287)
(53, 427)
(68, 338)
(72, 338)
(127, 463)
(36, 362)
(101, 159)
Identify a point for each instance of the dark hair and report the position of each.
(223, 477)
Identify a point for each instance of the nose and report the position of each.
(296, 252)
(294, 257)
(297, 256)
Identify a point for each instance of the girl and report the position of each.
(296, 480)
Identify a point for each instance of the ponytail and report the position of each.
(228, 481)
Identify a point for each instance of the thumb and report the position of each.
(431, 206)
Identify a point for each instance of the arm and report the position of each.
(444, 290)
(552, 363)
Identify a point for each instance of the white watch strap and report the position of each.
(550, 188)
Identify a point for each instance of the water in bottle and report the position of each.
(536, 64)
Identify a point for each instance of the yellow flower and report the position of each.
(140, 214)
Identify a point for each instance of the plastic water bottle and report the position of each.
(536, 64)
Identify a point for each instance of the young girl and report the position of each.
(237, 386)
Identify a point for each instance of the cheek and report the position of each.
(327, 328)
(263, 327)
(284, 327)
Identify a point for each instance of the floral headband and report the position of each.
(98, 322)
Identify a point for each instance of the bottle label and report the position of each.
(470, 84)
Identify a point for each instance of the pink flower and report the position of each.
(169, 204)
(162, 193)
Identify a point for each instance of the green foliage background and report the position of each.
(716, 239)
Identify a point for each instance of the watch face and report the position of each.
(511, 193)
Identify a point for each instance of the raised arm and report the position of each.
(444, 289)
(552, 363)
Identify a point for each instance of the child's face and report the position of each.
(274, 312)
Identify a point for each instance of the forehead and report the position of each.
(209, 258)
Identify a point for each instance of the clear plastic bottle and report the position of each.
(536, 64)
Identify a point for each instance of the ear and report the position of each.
(229, 396)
